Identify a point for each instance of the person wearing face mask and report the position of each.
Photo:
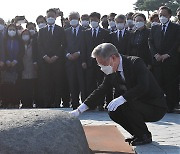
(31, 27)
(52, 43)
(154, 19)
(121, 37)
(29, 73)
(93, 37)
(111, 22)
(139, 100)
(164, 41)
(85, 21)
(130, 22)
(74, 36)
(13, 68)
(104, 22)
(139, 40)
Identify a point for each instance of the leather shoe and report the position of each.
(145, 139)
(130, 139)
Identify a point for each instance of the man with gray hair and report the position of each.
(140, 98)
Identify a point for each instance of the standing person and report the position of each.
(74, 36)
(104, 22)
(140, 98)
(29, 73)
(11, 74)
(93, 37)
(164, 42)
(111, 22)
(85, 21)
(154, 19)
(121, 37)
(130, 22)
(139, 40)
(52, 44)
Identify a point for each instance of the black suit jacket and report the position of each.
(88, 43)
(140, 83)
(165, 45)
(139, 45)
(123, 44)
(54, 46)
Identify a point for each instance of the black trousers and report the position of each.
(167, 77)
(133, 115)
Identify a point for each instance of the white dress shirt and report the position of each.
(97, 30)
(52, 27)
(120, 68)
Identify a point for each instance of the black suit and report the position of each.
(93, 74)
(74, 67)
(145, 99)
(166, 72)
(121, 44)
(52, 74)
(139, 45)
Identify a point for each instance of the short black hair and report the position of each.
(140, 15)
(30, 23)
(51, 10)
(130, 14)
(154, 15)
(112, 15)
(39, 17)
(85, 16)
(95, 14)
(166, 8)
(120, 16)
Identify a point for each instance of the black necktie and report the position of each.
(94, 34)
(120, 35)
(74, 32)
(163, 30)
(50, 31)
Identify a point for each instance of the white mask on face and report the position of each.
(106, 69)
(112, 24)
(139, 24)
(26, 37)
(41, 25)
(94, 24)
(32, 32)
(51, 20)
(163, 19)
(11, 33)
(120, 26)
(130, 22)
(1, 27)
(85, 23)
(74, 22)
(154, 24)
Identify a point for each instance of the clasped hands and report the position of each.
(73, 56)
(161, 57)
(50, 60)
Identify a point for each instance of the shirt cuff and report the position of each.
(67, 55)
(83, 107)
(44, 56)
(8, 61)
(15, 61)
(35, 63)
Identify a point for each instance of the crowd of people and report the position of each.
(53, 67)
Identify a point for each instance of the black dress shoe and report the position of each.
(145, 139)
(130, 139)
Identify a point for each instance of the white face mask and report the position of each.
(112, 24)
(74, 22)
(106, 69)
(51, 20)
(163, 19)
(32, 32)
(139, 24)
(120, 26)
(130, 22)
(1, 27)
(94, 24)
(41, 25)
(25, 38)
(11, 33)
(154, 24)
(85, 23)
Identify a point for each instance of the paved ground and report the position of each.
(166, 132)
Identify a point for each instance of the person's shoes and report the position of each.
(129, 140)
(145, 139)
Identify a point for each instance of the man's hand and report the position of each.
(75, 113)
(84, 65)
(47, 59)
(53, 59)
(76, 55)
(13, 63)
(70, 56)
(115, 103)
(158, 57)
(164, 57)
